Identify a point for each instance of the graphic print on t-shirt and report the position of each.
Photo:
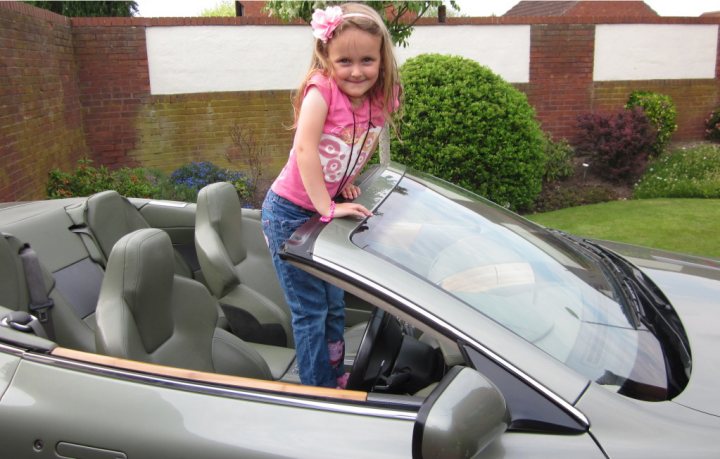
(337, 155)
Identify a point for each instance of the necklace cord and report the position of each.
(347, 174)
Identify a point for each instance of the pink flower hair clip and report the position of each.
(324, 22)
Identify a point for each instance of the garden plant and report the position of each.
(682, 173)
(661, 111)
(181, 185)
(617, 145)
(712, 126)
(465, 124)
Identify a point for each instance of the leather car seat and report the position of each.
(234, 256)
(109, 216)
(148, 313)
(68, 328)
(236, 266)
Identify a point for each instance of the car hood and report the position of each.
(692, 285)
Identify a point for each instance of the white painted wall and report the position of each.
(654, 51)
(504, 49)
(192, 59)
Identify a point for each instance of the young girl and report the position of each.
(342, 105)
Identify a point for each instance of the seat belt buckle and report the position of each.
(41, 310)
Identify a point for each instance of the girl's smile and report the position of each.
(354, 57)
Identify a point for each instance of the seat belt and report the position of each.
(40, 303)
(79, 227)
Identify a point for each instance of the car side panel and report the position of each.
(517, 445)
(628, 428)
(56, 405)
(8, 364)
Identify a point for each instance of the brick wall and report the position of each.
(41, 125)
(172, 130)
(127, 126)
(113, 74)
(561, 75)
(694, 100)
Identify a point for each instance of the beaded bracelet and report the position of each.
(326, 219)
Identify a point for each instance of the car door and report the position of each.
(56, 406)
(540, 423)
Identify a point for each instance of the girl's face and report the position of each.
(354, 56)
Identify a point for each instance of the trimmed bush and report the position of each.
(660, 110)
(618, 145)
(466, 125)
(683, 173)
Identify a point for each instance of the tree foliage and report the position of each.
(89, 9)
(399, 17)
(225, 8)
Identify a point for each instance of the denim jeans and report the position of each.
(317, 308)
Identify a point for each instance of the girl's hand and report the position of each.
(350, 191)
(351, 209)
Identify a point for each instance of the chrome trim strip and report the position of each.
(12, 350)
(579, 416)
(158, 203)
(347, 407)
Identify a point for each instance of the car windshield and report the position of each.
(513, 271)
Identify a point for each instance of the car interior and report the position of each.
(183, 290)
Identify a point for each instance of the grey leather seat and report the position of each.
(110, 216)
(68, 328)
(233, 256)
(148, 313)
(236, 266)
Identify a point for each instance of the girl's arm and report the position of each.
(307, 138)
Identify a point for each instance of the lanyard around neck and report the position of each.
(347, 174)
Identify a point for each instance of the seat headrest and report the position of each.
(141, 265)
(111, 216)
(219, 206)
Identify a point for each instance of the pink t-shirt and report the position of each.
(345, 144)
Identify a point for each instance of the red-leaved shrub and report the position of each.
(618, 145)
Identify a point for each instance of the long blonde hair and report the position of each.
(387, 88)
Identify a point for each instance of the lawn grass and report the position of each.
(679, 225)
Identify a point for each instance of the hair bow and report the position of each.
(324, 22)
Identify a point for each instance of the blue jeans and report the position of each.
(317, 308)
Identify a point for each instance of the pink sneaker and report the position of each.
(342, 381)
(336, 351)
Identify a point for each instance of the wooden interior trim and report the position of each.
(205, 377)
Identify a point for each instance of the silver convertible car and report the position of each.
(133, 328)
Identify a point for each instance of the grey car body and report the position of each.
(507, 384)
